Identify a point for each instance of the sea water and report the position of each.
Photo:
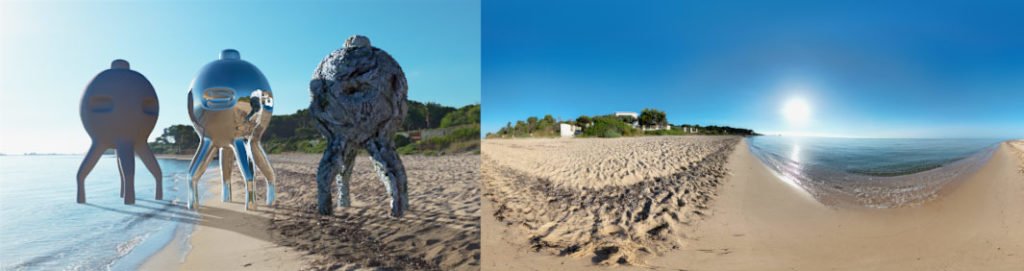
(43, 228)
(872, 172)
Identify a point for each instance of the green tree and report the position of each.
(652, 117)
(609, 126)
(531, 123)
(177, 139)
(583, 121)
(424, 116)
(469, 114)
(627, 119)
(521, 130)
(548, 120)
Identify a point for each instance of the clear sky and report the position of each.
(860, 68)
(51, 50)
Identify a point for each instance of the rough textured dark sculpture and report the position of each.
(359, 100)
(119, 109)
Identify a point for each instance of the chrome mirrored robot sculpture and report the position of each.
(359, 100)
(230, 103)
(119, 109)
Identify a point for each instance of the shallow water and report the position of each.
(43, 228)
(878, 173)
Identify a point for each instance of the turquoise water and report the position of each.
(877, 173)
(43, 228)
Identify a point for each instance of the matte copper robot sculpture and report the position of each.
(359, 100)
(230, 103)
(119, 109)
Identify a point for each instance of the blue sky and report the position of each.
(51, 50)
(865, 68)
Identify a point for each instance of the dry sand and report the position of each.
(1018, 148)
(441, 230)
(562, 202)
(595, 163)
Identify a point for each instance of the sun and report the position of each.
(796, 111)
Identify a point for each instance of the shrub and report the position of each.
(609, 126)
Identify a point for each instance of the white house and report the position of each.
(624, 113)
(657, 127)
(568, 130)
(636, 117)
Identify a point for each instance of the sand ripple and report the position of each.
(441, 231)
(612, 200)
(595, 163)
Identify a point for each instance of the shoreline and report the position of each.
(842, 189)
(759, 222)
(227, 237)
(180, 157)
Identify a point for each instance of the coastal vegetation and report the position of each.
(704, 130)
(460, 134)
(650, 122)
(297, 132)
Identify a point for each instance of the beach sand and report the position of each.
(441, 230)
(759, 222)
(1018, 148)
(764, 224)
(596, 163)
(226, 237)
(541, 199)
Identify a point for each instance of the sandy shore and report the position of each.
(226, 237)
(762, 223)
(562, 203)
(441, 231)
(1018, 147)
(595, 163)
(759, 222)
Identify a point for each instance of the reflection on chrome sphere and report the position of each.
(230, 103)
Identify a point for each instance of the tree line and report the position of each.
(297, 132)
(610, 126)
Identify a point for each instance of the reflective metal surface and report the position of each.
(230, 104)
(119, 110)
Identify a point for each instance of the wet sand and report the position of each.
(537, 204)
(227, 237)
(441, 230)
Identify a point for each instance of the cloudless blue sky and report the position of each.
(51, 50)
(866, 68)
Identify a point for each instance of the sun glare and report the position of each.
(796, 111)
